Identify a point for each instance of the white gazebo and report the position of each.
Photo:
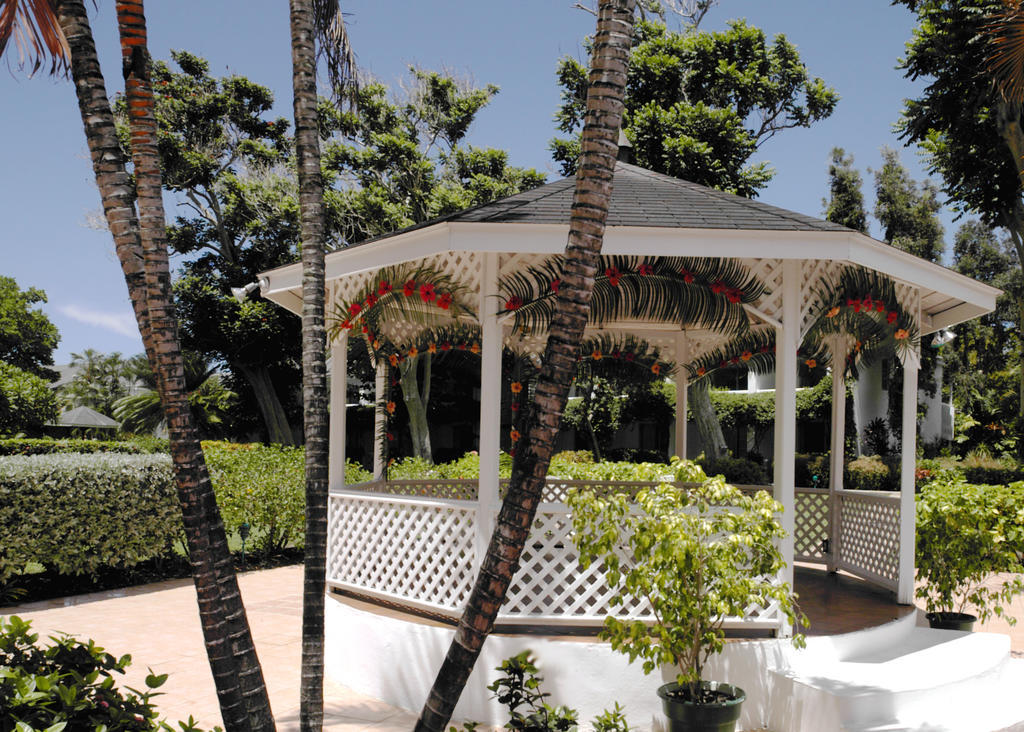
(417, 544)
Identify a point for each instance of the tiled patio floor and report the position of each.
(159, 625)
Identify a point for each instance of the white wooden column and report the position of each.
(490, 404)
(379, 420)
(682, 385)
(338, 414)
(835, 482)
(908, 463)
(786, 343)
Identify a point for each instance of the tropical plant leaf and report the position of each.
(37, 34)
(610, 354)
(1006, 38)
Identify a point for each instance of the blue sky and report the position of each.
(47, 193)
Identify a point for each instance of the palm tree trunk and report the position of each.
(229, 644)
(709, 428)
(314, 366)
(609, 63)
(416, 406)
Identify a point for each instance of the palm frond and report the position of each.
(608, 354)
(863, 304)
(36, 31)
(336, 51)
(1005, 34)
(692, 292)
(755, 351)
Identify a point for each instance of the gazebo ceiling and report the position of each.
(650, 215)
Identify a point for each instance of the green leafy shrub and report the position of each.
(809, 465)
(573, 456)
(69, 686)
(736, 470)
(870, 473)
(986, 470)
(608, 470)
(76, 513)
(965, 533)
(696, 555)
(42, 446)
(26, 401)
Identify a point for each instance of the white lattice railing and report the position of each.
(869, 535)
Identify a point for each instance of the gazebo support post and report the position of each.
(338, 415)
(682, 386)
(787, 342)
(490, 406)
(836, 459)
(378, 421)
(908, 464)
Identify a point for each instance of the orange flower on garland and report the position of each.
(811, 363)
(655, 368)
(596, 355)
(376, 344)
(432, 348)
(701, 371)
(900, 334)
(516, 387)
(857, 347)
(413, 352)
(475, 348)
(393, 359)
(833, 312)
(390, 406)
(613, 275)
(514, 435)
(746, 355)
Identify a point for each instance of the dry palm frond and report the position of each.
(37, 34)
(1006, 62)
(336, 50)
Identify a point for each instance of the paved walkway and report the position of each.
(158, 625)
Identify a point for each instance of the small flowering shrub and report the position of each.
(69, 686)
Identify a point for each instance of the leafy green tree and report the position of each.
(907, 210)
(26, 400)
(699, 104)
(972, 136)
(100, 380)
(845, 204)
(394, 163)
(226, 162)
(27, 337)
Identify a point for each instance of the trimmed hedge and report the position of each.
(736, 470)
(77, 513)
(41, 446)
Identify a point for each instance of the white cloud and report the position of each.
(120, 322)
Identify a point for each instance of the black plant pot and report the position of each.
(685, 716)
(951, 621)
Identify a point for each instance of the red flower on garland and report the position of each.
(879, 306)
(645, 269)
(688, 276)
(346, 324)
(616, 353)
(765, 349)
(445, 300)
(390, 437)
(427, 293)
(718, 287)
(512, 452)
(365, 329)
(613, 275)
(354, 309)
(629, 356)
(868, 303)
(371, 300)
(514, 303)
(733, 295)
(409, 288)
(891, 317)
(446, 346)
(734, 360)
(514, 406)
(555, 283)
(723, 364)
(384, 288)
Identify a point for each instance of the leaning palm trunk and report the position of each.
(607, 82)
(200, 517)
(314, 368)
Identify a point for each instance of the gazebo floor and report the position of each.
(841, 603)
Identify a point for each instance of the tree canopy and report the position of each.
(845, 204)
(27, 337)
(699, 104)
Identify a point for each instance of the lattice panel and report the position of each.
(550, 581)
(404, 549)
(813, 524)
(769, 272)
(813, 273)
(454, 489)
(869, 534)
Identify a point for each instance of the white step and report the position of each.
(900, 677)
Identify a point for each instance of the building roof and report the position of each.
(86, 417)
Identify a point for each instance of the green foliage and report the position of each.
(870, 473)
(696, 555)
(26, 400)
(77, 513)
(877, 440)
(736, 470)
(986, 470)
(699, 104)
(69, 686)
(42, 446)
(27, 337)
(102, 378)
(845, 204)
(966, 533)
(467, 466)
(907, 210)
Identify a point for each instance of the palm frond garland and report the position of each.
(695, 292)
(608, 354)
(412, 294)
(863, 305)
(754, 351)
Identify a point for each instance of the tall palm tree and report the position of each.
(229, 647)
(213, 568)
(310, 20)
(609, 63)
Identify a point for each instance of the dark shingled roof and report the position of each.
(642, 197)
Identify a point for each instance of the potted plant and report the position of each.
(965, 535)
(695, 555)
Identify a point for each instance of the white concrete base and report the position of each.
(894, 677)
